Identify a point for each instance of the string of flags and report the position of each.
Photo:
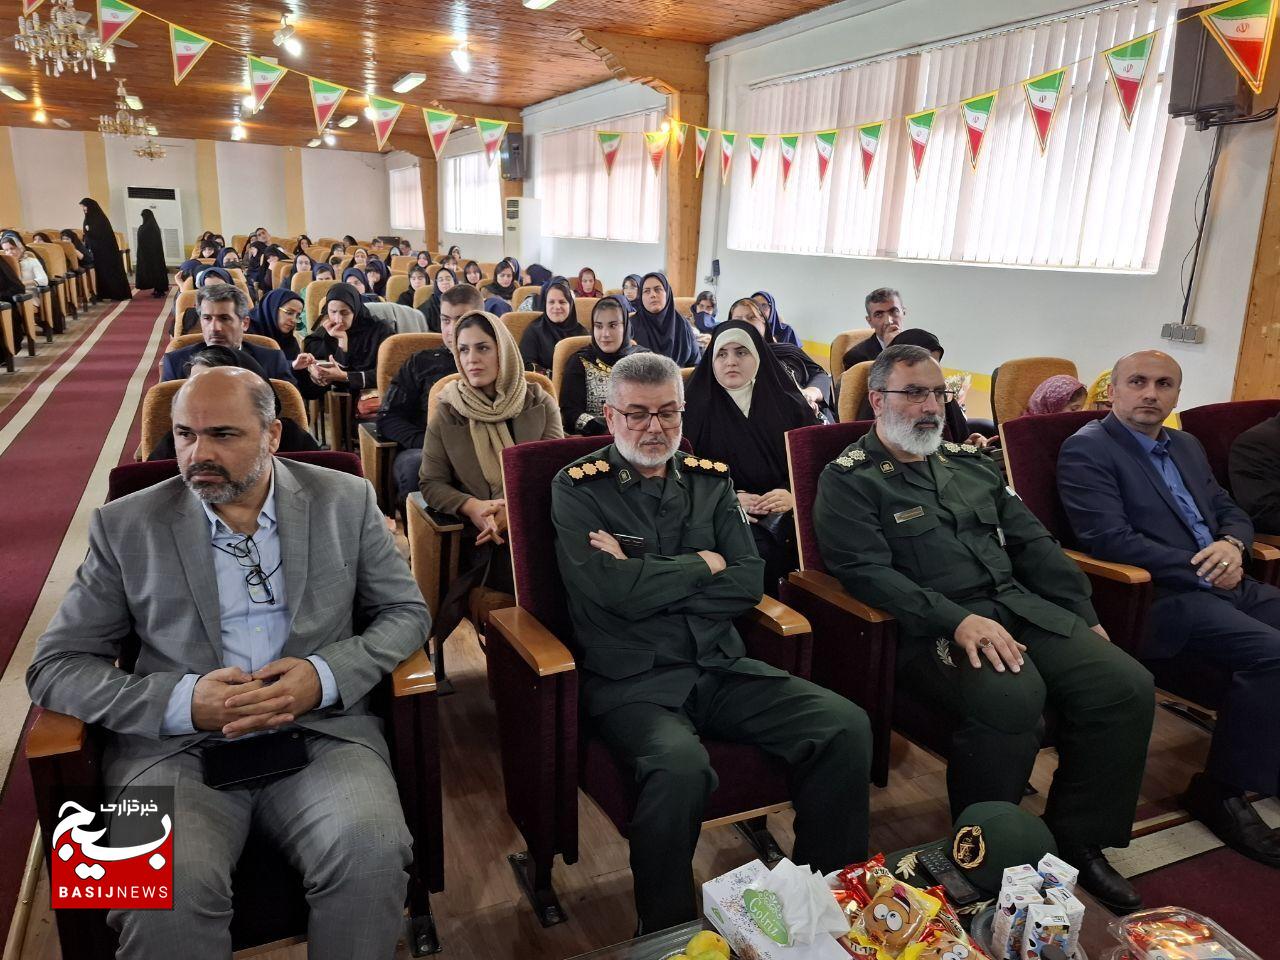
(1244, 29)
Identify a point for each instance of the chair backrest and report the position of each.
(421, 295)
(853, 390)
(528, 290)
(684, 306)
(1031, 445)
(809, 450)
(298, 282)
(489, 269)
(517, 321)
(397, 284)
(1014, 381)
(132, 477)
(187, 339)
(1217, 425)
(238, 240)
(582, 307)
(54, 259)
(433, 398)
(71, 253)
(314, 297)
(842, 344)
(401, 264)
(157, 402)
(432, 270)
(398, 348)
(278, 272)
(183, 302)
(565, 349)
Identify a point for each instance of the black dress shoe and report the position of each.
(1101, 879)
(1228, 814)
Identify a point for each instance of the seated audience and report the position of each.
(661, 663)
(559, 320)
(41, 237)
(779, 332)
(631, 290)
(586, 376)
(403, 249)
(1254, 466)
(955, 423)
(1194, 540)
(204, 277)
(497, 306)
(30, 264)
(360, 258)
(349, 241)
(86, 255)
(337, 251)
(1060, 393)
(444, 280)
(208, 250)
(454, 253)
(659, 327)
(227, 258)
(376, 274)
(276, 316)
(506, 278)
(338, 818)
(223, 312)
(587, 285)
(342, 352)
(995, 620)
(302, 246)
(811, 380)
(11, 287)
(270, 257)
(472, 274)
(539, 276)
(424, 259)
(1099, 395)
(704, 316)
(403, 415)
(417, 280)
(301, 264)
(885, 315)
(354, 276)
(741, 401)
(323, 271)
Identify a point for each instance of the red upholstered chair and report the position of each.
(268, 899)
(546, 756)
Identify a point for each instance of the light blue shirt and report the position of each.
(253, 633)
(1158, 452)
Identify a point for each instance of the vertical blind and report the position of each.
(579, 199)
(1098, 198)
(406, 199)
(472, 196)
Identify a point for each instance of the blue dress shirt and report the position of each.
(253, 633)
(1158, 452)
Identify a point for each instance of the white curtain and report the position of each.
(406, 199)
(1098, 198)
(472, 195)
(580, 200)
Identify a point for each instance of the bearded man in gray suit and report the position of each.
(239, 579)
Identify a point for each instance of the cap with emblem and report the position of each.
(993, 835)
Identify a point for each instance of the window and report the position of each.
(406, 199)
(472, 198)
(579, 199)
(1098, 198)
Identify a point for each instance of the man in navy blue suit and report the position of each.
(224, 317)
(1137, 492)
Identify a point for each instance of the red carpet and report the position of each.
(42, 478)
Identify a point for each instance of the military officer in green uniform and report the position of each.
(995, 620)
(658, 560)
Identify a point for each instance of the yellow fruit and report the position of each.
(707, 955)
(707, 942)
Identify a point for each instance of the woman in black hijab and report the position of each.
(631, 290)
(301, 264)
(354, 277)
(152, 272)
(277, 317)
(659, 327)
(957, 424)
(506, 277)
(586, 376)
(342, 352)
(559, 320)
(417, 280)
(444, 280)
(375, 272)
(86, 257)
(108, 264)
(811, 380)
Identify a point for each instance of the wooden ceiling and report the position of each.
(519, 57)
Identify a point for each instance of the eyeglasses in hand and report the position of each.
(917, 395)
(256, 579)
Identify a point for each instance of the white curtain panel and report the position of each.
(406, 199)
(472, 198)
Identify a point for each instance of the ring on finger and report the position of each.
(1225, 563)
(984, 642)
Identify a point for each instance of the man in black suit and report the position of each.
(885, 314)
(1139, 493)
(224, 318)
(1255, 474)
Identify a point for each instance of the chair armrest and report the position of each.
(536, 645)
(828, 589)
(778, 618)
(413, 676)
(1264, 551)
(1119, 572)
(440, 522)
(54, 734)
(1271, 539)
(435, 547)
(369, 430)
(376, 457)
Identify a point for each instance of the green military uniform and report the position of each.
(935, 541)
(661, 664)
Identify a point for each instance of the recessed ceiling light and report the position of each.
(59, 122)
(330, 139)
(134, 102)
(12, 92)
(40, 116)
(248, 102)
(238, 132)
(368, 113)
(285, 38)
(314, 142)
(408, 82)
(462, 58)
(350, 120)
(538, 4)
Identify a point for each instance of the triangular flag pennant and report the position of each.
(788, 143)
(1244, 28)
(727, 137)
(325, 97)
(678, 133)
(439, 126)
(491, 134)
(263, 77)
(919, 126)
(1043, 93)
(29, 5)
(113, 17)
(701, 136)
(1128, 66)
(977, 113)
(868, 146)
(385, 114)
(657, 141)
(755, 148)
(610, 144)
(825, 141)
(187, 49)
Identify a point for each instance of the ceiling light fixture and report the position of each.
(462, 57)
(538, 4)
(150, 151)
(59, 122)
(123, 123)
(314, 142)
(350, 120)
(62, 40)
(285, 38)
(368, 113)
(329, 138)
(238, 132)
(40, 116)
(408, 82)
(248, 102)
(12, 92)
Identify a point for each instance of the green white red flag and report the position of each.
(1244, 29)
(1043, 94)
(977, 114)
(788, 143)
(113, 17)
(263, 78)
(439, 126)
(727, 137)
(385, 114)
(755, 149)
(325, 97)
(186, 49)
(610, 144)
(1127, 64)
(30, 5)
(919, 127)
(657, 141)
(868, 146)
(678, 133)
(491, 134)
(701, 136)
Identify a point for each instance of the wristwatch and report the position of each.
(1238, 544)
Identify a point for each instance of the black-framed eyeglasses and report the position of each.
(640, 419)
(257, 580)
(918, 395)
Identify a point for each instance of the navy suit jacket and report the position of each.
(1122, 510)
(274, 363)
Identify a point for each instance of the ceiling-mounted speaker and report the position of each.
(1204, 85)
(512, 156)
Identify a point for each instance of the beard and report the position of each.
(918, 436)
(648, 455)
(230, 489)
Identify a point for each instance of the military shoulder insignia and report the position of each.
(716, 468)
(852, 457)
(954, 448)
(588, 470)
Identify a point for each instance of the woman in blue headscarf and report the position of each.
(659, 327)
(631, 291)
(375, 272)
(356, 278)
(277, 317)
(779, 332)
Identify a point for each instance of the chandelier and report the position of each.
(150, 151)
(124, 123)
(62, 41)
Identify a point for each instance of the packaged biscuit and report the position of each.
(1046, 925)
(1022, 875)
(1056, 872)
(1171, 933)
(895, 916)
(1010, 918)
(1072, 907)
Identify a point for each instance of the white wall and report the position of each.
(176, 171)
(985, 315)
(52, 176)
(345, 192)
(251, 187)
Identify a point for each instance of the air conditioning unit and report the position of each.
(522, 229)
(166, 204)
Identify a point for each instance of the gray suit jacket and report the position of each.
(149, 572)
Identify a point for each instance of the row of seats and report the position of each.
(70, 289)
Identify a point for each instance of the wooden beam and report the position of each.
(207, 189)
(1258, 365)
(11, 197)
(295, 208)
(428, 172)
(665, 65)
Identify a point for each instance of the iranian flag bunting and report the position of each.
(30, 5)
(825, 142)
(325, 97)
(491, 134)
(113, 17)
(919, 126)
(187, 48)
(263, 77)
(385, 114)
(755, 149)
(1244, 29)
(678, 134)
(1043, 93)
(701, 136)
(788, 143)
(1128, 66)
(977, 113)
(439, 126)
(868, 146)
(727, 137)
(610, 144)
(657, 142)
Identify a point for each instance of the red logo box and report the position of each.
(114, 855)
